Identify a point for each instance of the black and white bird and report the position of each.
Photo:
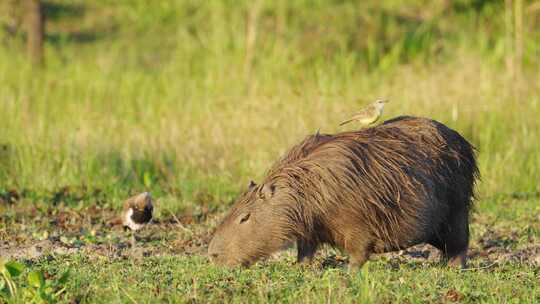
(136, 213)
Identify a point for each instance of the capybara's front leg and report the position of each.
(359, 251)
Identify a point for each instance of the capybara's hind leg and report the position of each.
(454, 239)
(306, 250)
(459, 260)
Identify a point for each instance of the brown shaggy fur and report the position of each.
(407, 181)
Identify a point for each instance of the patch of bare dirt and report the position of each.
(29, 231)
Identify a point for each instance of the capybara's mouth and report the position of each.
(231, 263)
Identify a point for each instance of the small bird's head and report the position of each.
(143, 202)
(138, 211)
(379, 103)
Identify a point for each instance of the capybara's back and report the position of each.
(407, 181)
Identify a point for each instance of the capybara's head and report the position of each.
(254, 228)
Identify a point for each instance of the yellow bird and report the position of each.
(369, 114)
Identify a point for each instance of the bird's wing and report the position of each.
(360, 114)
(346, 122)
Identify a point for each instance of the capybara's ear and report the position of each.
(252, 185)
(267, 191)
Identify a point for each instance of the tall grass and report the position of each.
(162, 97)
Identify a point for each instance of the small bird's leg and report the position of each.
(132, 240)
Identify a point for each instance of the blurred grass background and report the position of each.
(192, 99)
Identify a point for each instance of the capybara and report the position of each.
(407, 181)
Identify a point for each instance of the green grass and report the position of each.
(173, 98)
(184, 279)
(97, 276)
(164, 94)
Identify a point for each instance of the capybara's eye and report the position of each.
(244, 217)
